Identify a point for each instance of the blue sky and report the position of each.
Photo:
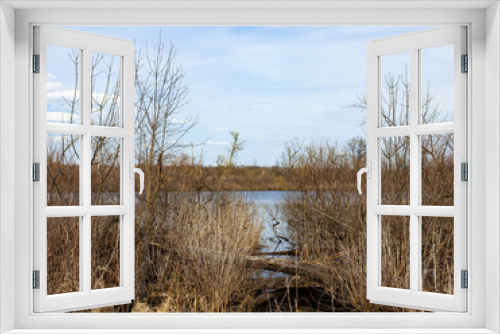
(271, 84)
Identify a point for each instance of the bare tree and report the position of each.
(290, 157)
(356, 152)
(105, 83)
(396, 99)
(237, 145)
(161, 95)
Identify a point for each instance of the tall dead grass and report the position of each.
(211, 242)
(328, 224)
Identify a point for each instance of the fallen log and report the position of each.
(269, 298)
(285, 282)
(312, 272)
(290, 252)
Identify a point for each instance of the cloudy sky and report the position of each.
(271, 84)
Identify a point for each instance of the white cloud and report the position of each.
(217, 143)
(63, 117)
(54, 138)
(53, 85)
(68, 94)
(175, 120)
(221, 129)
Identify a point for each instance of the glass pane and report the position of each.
(63, 84)
(437, 78)
(437, 254)
(395, 89)
(437, 170)
(395, 170)
(105, 89)
(395, 252)
(105, 161)
(63, 255)
(105, 252)
(63, 169)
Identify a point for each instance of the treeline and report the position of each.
(196, 178)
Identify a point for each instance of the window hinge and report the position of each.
(464, 171)
(36, 279)
(36, 63)
(465, 279)
(36, 172)
(465, 64)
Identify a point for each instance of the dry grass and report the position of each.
(211, 244)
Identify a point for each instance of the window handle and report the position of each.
(133, 170)
(368, 171)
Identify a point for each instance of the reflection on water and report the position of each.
(275, 234)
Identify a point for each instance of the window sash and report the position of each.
(85, 298)
(414, 298)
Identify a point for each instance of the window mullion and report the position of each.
(414, 171)
(85, 247)
(82, 176)
(87, 140)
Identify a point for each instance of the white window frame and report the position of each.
(484, 233)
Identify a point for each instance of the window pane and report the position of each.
(63, 169)
(395, 89)
(63, 255)
(105, 89)
(437, 254)
(105, 252)
(437, 170)
(437, 84)
(395, 252)
(105, 161)
(395, 170)
(63, 84)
